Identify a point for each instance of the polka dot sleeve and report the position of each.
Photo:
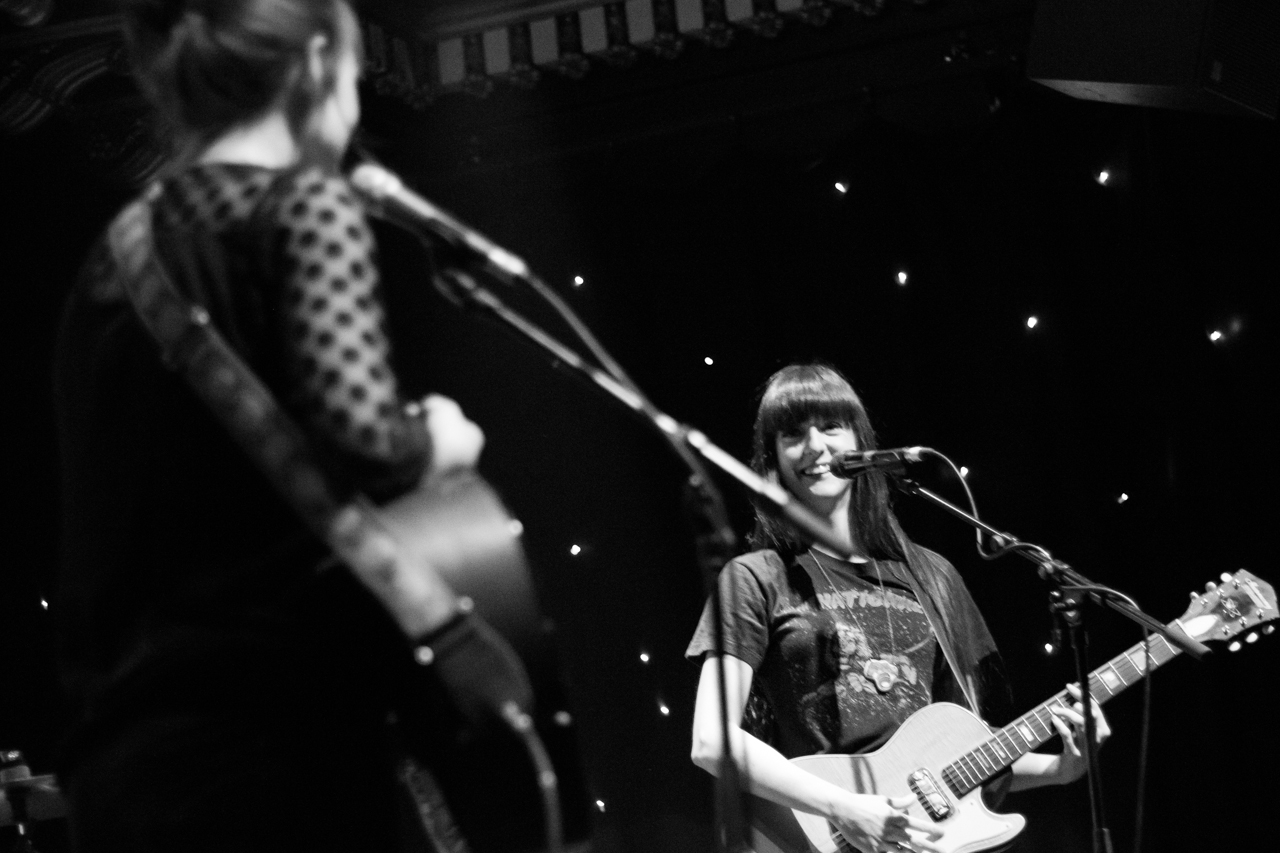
(337, 349)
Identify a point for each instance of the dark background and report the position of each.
(724, 237)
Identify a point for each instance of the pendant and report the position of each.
(881, 673)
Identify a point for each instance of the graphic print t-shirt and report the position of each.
(809, 636)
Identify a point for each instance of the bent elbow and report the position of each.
(707, 752)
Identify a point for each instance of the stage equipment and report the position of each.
(1210, 55)
(705, 512)
(854, 463)
(943, 754)
(402, 205)
(25, 798)
(1069, 591)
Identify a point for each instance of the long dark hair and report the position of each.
(210, 65)
(790, 397)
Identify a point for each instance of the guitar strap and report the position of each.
(190, 345)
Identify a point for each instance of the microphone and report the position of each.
(853, 463)
(392, 198)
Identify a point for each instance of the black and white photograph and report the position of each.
(655, 426)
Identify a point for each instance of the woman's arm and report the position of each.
(335, 346)
(870, 822)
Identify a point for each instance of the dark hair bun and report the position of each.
(209, 65)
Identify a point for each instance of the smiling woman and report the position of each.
(826, 655)
(805, 452)
(800, 403)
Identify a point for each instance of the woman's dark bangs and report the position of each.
(798, 402)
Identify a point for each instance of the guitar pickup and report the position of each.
(930, 797)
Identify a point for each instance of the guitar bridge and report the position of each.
(930, 797)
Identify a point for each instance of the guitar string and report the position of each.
(1123, 667)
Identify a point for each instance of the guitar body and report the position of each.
(457, 525)
(930, 739)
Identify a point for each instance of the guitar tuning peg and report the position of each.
(1194, 595)
(1224, 577)
(1234, 647)
(1210, 586)
(1270, 629)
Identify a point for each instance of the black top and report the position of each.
(185, 579)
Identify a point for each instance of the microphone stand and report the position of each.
(703, 505)
(683, 438)
(1069, 590)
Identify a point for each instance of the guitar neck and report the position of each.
(1036, 726)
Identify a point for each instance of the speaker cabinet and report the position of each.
(1212, 55)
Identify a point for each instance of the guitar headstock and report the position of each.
(1241, 602)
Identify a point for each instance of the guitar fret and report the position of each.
(1108, 676)
(950, 777)
(1036, 726)
(1047, 723)
(970, 777)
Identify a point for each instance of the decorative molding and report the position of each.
(26, 13)
(476, 47)
(77, 72)
(42, 70)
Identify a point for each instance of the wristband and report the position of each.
(454, 629)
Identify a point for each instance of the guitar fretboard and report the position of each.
(1036, 726)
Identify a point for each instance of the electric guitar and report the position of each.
(943, 754)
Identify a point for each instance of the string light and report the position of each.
(1228, 331)
(644, 657)
(578, 281)
(1033, 321)
(841, 187)
(575, 550)
(1123, 497)
(1103, 177)
(600, 805)
(902, 278)
(563, 719)
(663, 709)
(708, 361)
(964, 471)
(44, 604)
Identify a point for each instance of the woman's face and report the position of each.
(804, 462)
(340, 112)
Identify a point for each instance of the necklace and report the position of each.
(878, 671)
